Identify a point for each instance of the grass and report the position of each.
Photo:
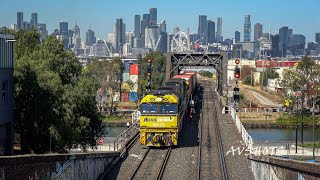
(310, 145)
(307, 120)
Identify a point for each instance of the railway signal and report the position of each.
(148, 87)
(236, 94)
(237, 61)
(237, 72)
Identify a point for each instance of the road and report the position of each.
(264, 100)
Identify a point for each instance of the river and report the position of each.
(282, 134)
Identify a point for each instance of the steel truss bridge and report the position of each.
(219, 61)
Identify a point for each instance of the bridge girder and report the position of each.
(175, 63)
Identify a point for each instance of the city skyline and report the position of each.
(52, 13)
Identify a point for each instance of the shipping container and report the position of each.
(133, 96)
(134, 69)
(127, 63)
(125, 77)
(125, 97)
(134, 78)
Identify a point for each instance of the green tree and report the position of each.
(158, 70)
(245, 71)
(268, 74)
(53, 101)
(206, 74)
(248, 81)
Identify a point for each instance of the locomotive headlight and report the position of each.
(158, 99)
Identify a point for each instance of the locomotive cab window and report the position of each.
(149, 108)
(168, 108)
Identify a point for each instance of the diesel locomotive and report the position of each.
(164, 109)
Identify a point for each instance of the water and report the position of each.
(282, 134)
(114, 131)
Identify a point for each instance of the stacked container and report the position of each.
(134, 76)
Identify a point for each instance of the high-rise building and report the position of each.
(34, 20)
(90, 38)
(317, 37)
(6, 100)
(70, 35)
(247, 28)
(152, 38)
(26, 25)
(137, 31)
(76, 37)
(64, 28)
(211, 31)
(64, 34)
(283, 40)
(119, 35)
(143, 32)
(146, 17)
(153, 17)
(257, 31)
(163, 26)
(290, 33)
(203, 29)
(219, 37)
(237, 36)
(42, 29)
(19, 20)
(297, 44)
(275, 52)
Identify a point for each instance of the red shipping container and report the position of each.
(134, 69)
(125, 97)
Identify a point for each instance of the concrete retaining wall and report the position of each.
(279, 168)
(66, 166)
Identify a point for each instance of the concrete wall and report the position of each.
(66, 166)
(279, 168)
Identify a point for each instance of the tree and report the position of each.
(158, 70)
(53, 100)
(248, 80)
(245, 71)
(206, 74)
(268, 74)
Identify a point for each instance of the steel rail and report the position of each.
(200, 141)
(164, 164)
(136, 170)
(223, 166)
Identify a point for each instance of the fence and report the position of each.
(261, 109)
(128, 134)
(245, 136)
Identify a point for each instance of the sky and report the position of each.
(301, 15)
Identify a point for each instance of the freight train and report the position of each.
(164, 110)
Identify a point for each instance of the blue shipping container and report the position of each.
(133, 96)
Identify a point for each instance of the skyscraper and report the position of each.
(64, 28)
(146, 17)
(152, 37)
(42, 29)
(90, 38)
(143, 31)
(211, 31)
(257, 31)
(203, 29)
(76, 37)
(137, 31)
(64, 34)
(119, 35)
(163, 26)
(247, 28)
(19, 20)
(34, 20)
(275, 46)
(317, 37)
(237, 36)
(297, 44)
(219, 37)
(153, 17)
(283, 40)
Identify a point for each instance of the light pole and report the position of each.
(251, 90)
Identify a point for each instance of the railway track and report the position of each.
(210, 141)
(152, 164)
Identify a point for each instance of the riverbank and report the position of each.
(271, 125)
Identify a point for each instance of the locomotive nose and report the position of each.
(158, 138)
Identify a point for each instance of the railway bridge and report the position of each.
(213, 145)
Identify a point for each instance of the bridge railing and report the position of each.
(122, 139)
(260, 109)
(245, 136)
